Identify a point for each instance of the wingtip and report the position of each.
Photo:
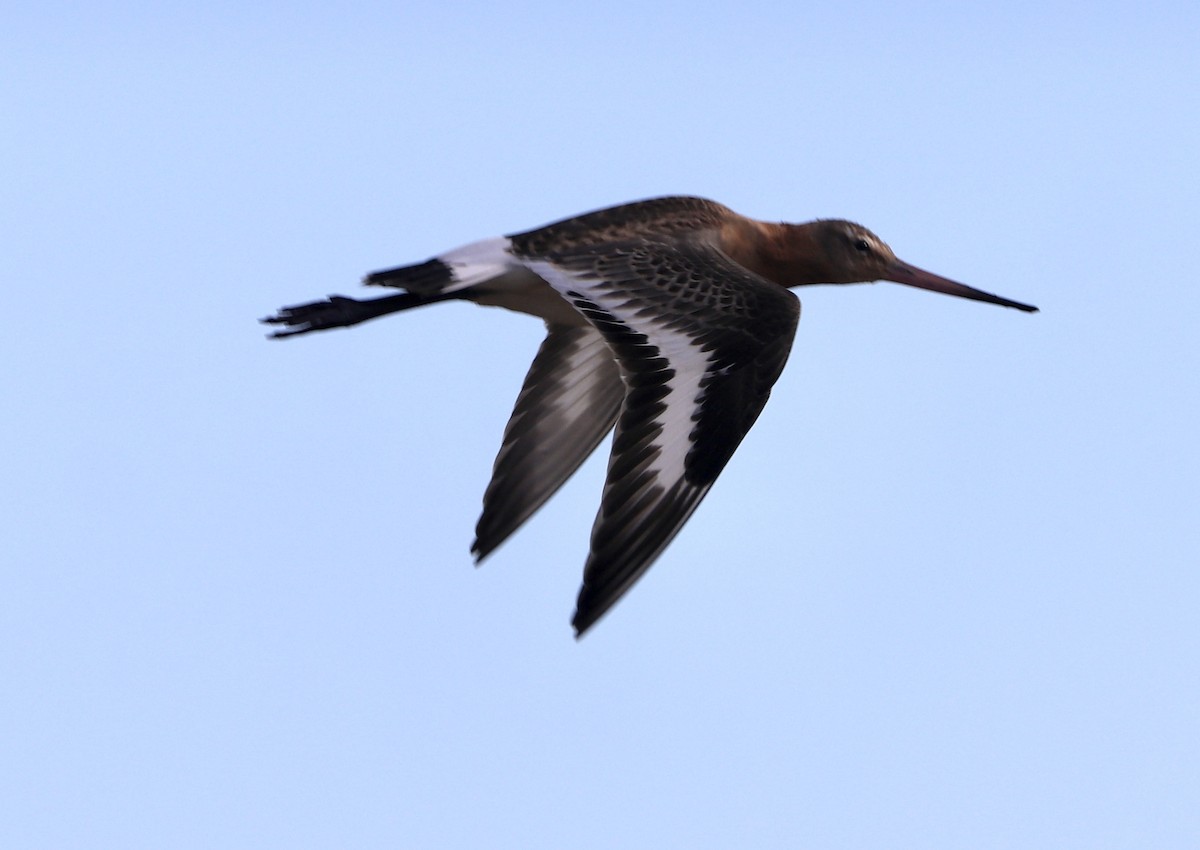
(480, 552)
(583, 620)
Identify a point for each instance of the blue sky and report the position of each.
(945, 594)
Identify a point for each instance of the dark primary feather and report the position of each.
(568, 403)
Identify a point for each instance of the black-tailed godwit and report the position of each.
(670, 319)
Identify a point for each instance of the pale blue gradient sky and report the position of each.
(945, 595)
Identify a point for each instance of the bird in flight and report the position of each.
(670, 319)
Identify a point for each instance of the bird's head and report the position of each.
(856, 255)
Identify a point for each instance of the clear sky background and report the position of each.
(944, 596)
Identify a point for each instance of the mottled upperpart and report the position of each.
(657, 218)
(668, 321)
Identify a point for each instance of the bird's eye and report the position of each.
(862, 246)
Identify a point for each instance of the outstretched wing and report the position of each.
(569, 401)
(700, 341)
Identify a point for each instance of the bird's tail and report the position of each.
(450, 276)
(427, 278)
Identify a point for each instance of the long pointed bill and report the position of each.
(913, 276)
